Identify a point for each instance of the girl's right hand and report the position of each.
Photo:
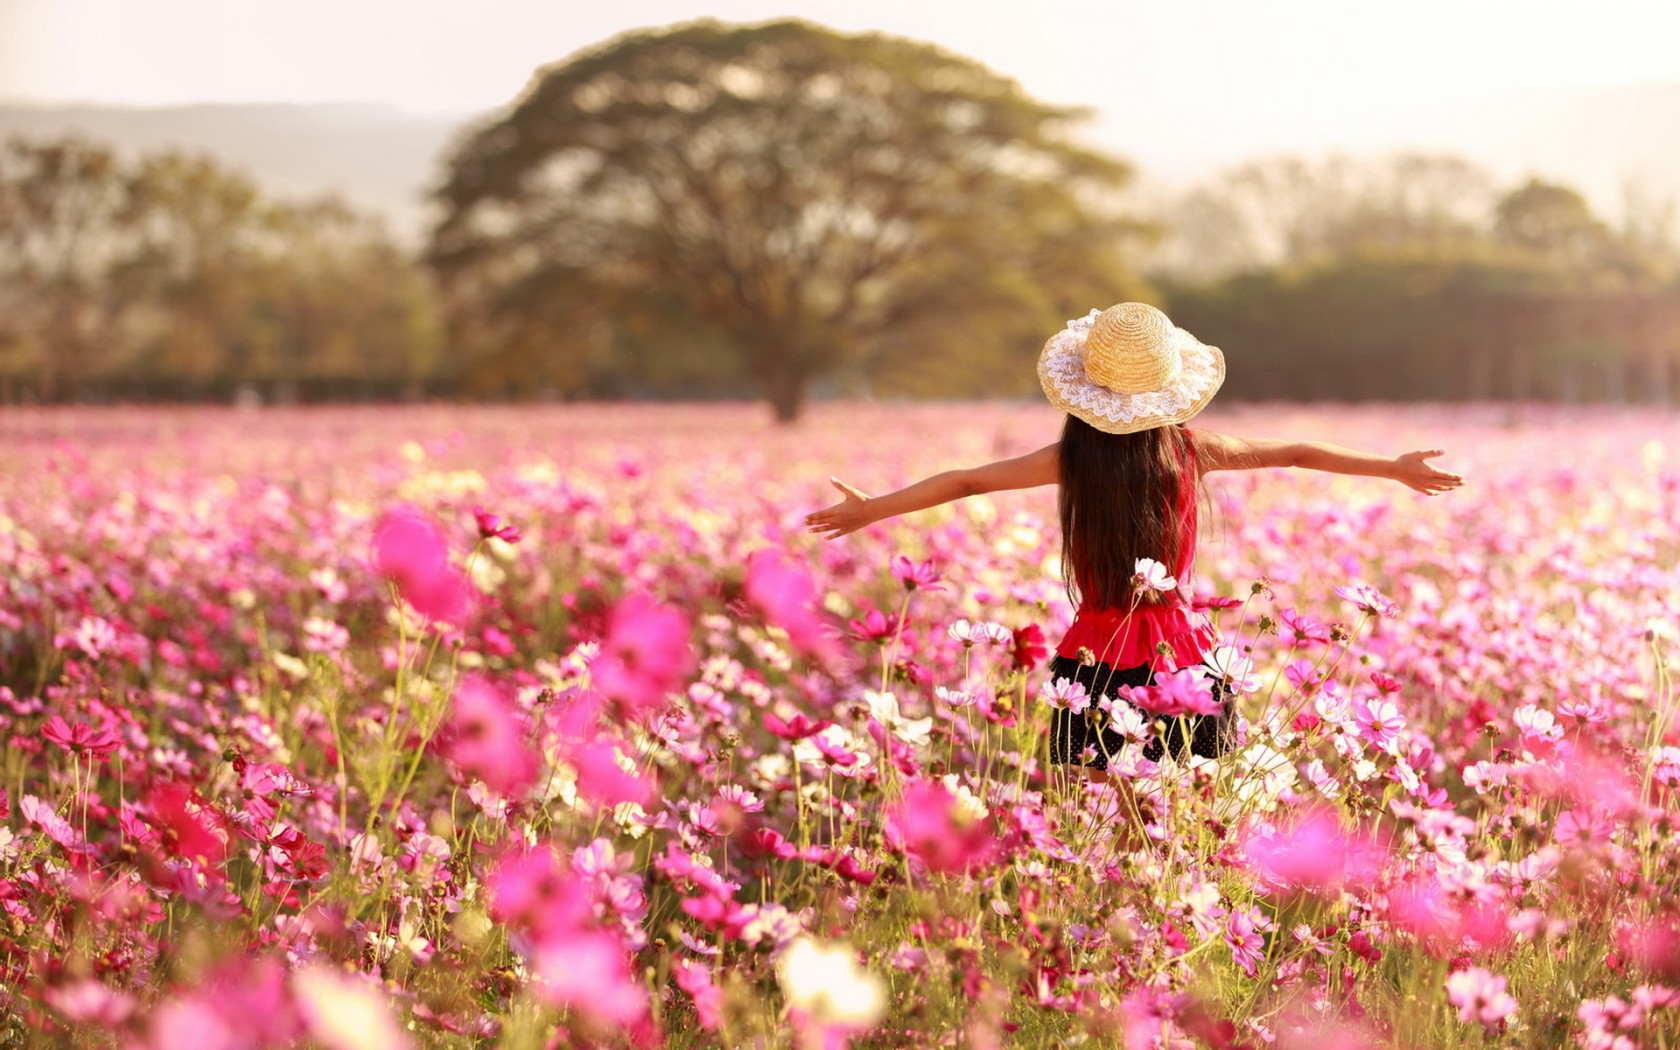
(1410, 469)
(849, 515)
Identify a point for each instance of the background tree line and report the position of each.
(782, 211)
(169, 277)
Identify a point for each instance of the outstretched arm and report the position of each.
(858, 510)
(1224, 452)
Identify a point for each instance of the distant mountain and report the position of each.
(1595, 139)
(377, 157)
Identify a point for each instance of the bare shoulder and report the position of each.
(1216, 451)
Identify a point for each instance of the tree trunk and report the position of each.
(784, 387)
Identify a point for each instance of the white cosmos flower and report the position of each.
(883, 707)
(977, 631)
(967, 805)
(826, 982)
(953, 697)
(1152, 575)
(1238, 670)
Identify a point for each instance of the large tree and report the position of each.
(819, 204)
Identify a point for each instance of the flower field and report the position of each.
(552, 727)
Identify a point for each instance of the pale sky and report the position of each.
(1203, 77)
(1282, 58)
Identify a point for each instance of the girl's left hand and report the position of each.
(849, 515)
(1410, 469)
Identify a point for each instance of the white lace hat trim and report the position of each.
(1061, 371)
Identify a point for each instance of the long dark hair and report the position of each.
(1119, 500)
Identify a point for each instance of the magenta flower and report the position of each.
(490, 527)
(926, 823)
(1653, 944)
(696, 980)
(81, 738)
(485, 737)
(589, 970)
(602, 780)
(1480, 997)
(1174, 693)
(876, 626)
(787, 596)
(186, 826)
(411, 551)
(576, 963)
(1313, 852)
(530, 889)
(915, 575)
(796, 728)
(645, 655)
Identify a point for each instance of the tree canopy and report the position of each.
(806, 203)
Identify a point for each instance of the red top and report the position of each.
(1127, 637)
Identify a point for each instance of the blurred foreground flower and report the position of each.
(787, 596)
(485, 738)
(1312, 852)
(1480, 997)
(931, 824)
(346, 1011)
(411, 551)
(645, 655)
(827, 984)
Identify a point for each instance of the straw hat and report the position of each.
(1128, 368)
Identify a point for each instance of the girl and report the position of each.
(1128, 470)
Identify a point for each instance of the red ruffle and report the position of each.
(1122, 638)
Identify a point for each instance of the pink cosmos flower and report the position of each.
(1065, 694)
(1653, 944)
(1300, 628)
(530, 889)
(602, 780)
(56, 827)
(796, 728)
(1480, 997)
(1313, 852)
(187, 827)
(1441, 923)
(589, 970)
(696, 980)
(89, 1001)
(409, 549)
(1248, 946)
(1368, 599)
(915, 574)
(1380, 720)
(926, 823)
(1174, 693)
(81, 738)
(485, 737)
(876, 626)
(787, 596)
(644, 657)
(490, 527)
